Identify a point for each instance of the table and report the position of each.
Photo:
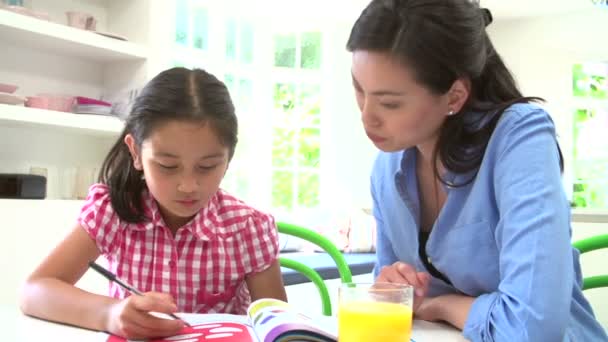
(20, 328)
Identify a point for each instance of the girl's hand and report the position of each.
(131, 318)
(402, 273)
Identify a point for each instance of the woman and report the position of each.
(467, 189)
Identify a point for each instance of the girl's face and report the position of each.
(397, 112)
(183, 163)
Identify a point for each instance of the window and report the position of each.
(191, 33)
(296, 122)
(590, 148)
(275, 81)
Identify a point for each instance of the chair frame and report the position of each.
(591, 244)
(310, 273)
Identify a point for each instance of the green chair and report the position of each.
(588, 245)
(327, 246)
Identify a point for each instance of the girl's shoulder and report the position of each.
(98, 198)
(230, 214)
(99, 219)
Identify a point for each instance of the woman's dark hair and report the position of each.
(442, 41)
(177, 94)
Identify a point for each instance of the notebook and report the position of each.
(267, 320)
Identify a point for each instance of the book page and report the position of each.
(207, 327)
(276, 321)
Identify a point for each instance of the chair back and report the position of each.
(591, 244)
(310, 273)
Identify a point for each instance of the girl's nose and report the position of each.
(188, 183)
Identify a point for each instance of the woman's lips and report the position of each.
(375, 138)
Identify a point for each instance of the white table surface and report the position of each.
(18, 327)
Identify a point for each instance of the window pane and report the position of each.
(231, 40)
(200, 28)
(309, 105)
(282, 189)
(311, 50)
(590, 80)
(309, 150)
(244, 95)
(181, 22)
(282, 147)
(308, 189)
(285, 50)
(590, 158)
(284, 103)
(229, 81)
(246, 43)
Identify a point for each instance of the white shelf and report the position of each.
(590, 215)
(99, 125)
(39, 34)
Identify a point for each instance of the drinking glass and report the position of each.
(375, 312)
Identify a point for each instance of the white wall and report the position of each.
(541, 51)
(349, 150)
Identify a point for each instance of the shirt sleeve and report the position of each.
(99, 219)
(532, 302)
(263, 247)
(384, 249)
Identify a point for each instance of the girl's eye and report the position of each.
(167, 167)
(207, 167)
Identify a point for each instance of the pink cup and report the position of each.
(81, 20)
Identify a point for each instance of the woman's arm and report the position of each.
(453, 309)
(534, 294)
(49, 293)
(267, 284)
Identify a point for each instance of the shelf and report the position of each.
(590, 215)
(22, 30)
(99, 125)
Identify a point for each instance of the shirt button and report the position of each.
(171, 263)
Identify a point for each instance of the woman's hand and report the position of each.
(402, 273)
(131, 318)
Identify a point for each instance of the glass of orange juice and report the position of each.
(375, 312)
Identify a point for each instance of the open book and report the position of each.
(267, 320)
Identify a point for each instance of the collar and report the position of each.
(200, 225)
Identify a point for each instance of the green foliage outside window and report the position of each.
(311, 50)
(587, 84)
(296, 146)
(285, 50)
(590, 148)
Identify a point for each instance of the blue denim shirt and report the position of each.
(503, 238)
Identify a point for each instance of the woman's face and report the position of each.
(397, 112)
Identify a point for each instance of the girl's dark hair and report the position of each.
(176, 94)
(442, 41)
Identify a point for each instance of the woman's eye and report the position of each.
(391, 105)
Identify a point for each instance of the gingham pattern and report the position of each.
(203, 267)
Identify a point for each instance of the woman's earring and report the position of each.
(451, 112)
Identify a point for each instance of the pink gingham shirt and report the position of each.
(203, 266)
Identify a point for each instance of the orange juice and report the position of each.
(364, 321)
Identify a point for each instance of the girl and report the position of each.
(467, 190)
(162, 222)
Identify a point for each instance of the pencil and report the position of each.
(112, 277)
